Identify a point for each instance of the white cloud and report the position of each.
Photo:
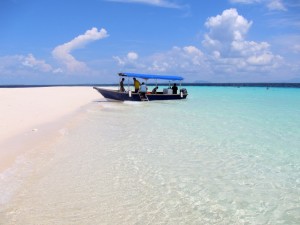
(227, 54)
(245, 1)
(132, 56)
(263, 59)
(270, 4)
(32, 62)
(58, 70)
(63, 52)
(188, 59)
(227, 33)
(192, 50)
(276, 5)
(230, 51)
(225, 28)
(21, 64)
(216, 54)
(158, 3)
(246, 48)
(120, 61)
(130, 59)
(29, 64)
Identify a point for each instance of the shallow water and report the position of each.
(225, 155)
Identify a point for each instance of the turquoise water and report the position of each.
(225, 155)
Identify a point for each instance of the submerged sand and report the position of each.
(29, 114)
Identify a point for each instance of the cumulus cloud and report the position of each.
(192, 50)
(32, 62)
(158, 3)
(246, 48)
(63, 52)
(23, 64)
(262, 59)
(226, 51)
(224, 29)
(129, 59)
(226, 40)
(132, 56)
(187, 59)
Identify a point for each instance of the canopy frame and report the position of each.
(151, 76)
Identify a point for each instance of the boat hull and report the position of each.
(125, 96)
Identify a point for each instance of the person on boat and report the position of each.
(175, 89)
(122, 89)
(154, 90)
(136, 85)
(143, 89)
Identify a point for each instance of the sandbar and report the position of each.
(26, 110)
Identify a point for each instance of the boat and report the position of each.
(129, 95)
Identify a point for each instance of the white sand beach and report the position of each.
(36, 111)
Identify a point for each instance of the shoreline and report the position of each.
(200, 84)
(37, 116)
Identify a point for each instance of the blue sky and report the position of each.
(90, 41)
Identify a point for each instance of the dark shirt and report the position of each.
(122, 86)
(174, 88)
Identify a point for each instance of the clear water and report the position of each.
(224, 155)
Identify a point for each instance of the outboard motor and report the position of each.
(184, 91)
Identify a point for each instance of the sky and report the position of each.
(90, 41)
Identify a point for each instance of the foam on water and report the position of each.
(222, 156)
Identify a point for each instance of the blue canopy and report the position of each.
(150, 76)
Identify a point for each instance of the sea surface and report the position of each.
(225, 155)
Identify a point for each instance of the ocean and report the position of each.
(225, 155)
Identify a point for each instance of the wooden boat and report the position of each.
(128, 95)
